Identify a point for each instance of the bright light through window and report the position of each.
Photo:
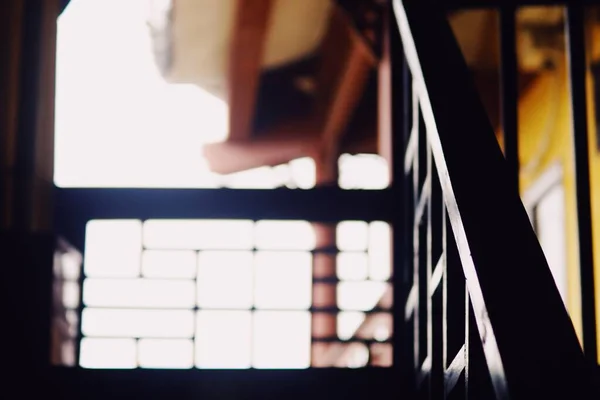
(120, 124)
(363, 171)
(179, 294)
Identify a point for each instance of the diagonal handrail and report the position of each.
(526, 332)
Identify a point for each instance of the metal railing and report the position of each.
(483, 316)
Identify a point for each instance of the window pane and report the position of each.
(223, 339)
(380, 327)
(348, 322)
(69, 265)
(169, 264)
(281, 339)
(139, 293)
(363, 171)
(355, 356)
(256, 178)
(352, 266)
(361, 296)
(112, 248)
(198, 234)
(381, 355)
(377, 326)
(72, 318)
(138, 323)
(283, 280)
(304, 172)
(108, 353)
(225, 279)
(352, 235)
(380, 251)
(164, 353)
(68, 353)
(550, 224)
(285, 235)
(70, 294)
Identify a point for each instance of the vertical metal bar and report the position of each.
(429, 265)
(400, 126)
(468, 334)
(405, 83)
(416, 259)
(445, 355)
(575, 34)
(24, 170)
(509, 91)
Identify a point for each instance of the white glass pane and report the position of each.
(70, 292)
(380, 251)
(256, 178)
(72, 318)
(68, 353)
(108, 353)
(304, 172)
(71, 265)
(223, 339)
(198, 234)
(382, 326)
(169, 264)
(113, 248)
(138, 323)
(550, 224)
(348, 322)
(164, 353)
(283, 280)
(118, 121)
(139, 293)
(362, 296)
(285, 235)
(352, 266)
(225, 279)
(282, 176)
(363, 171)
(352, 235)
(357, 356)
(281, 339)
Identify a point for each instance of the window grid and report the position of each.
(366, 343)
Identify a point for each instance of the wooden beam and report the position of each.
(346, 63)
(384, 103)
(277, 146)
(245, 58)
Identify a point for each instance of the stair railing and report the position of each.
(483, 316)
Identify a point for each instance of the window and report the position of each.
(152, 133)
(268, 291)
(545, 203)
(235, 294)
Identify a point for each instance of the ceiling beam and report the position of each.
(342, 79)
(274, 147)
(245, 59)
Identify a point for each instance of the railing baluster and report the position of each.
(501, 310)
(575, 25)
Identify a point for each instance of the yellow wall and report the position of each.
(544, 140)
(593, 41)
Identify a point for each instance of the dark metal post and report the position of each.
(509, 91)
(24, 170)
(400, 117)
(575, 35)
